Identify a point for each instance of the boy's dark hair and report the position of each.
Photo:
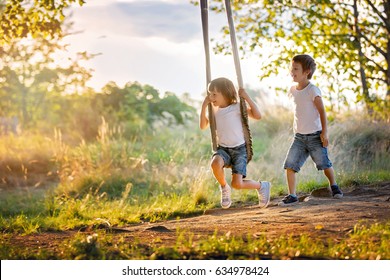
(226, 87)
(307, 63)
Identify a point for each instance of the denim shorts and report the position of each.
(235, 158)
(303, 146)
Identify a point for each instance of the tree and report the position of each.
(128, 111)
(31, 79)
(141, 105)
(43, 18)
(30, 36)
(350, 40)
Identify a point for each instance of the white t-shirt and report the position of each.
(229, 126)
(306, 116)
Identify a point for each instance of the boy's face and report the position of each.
(217, 99)
(297, 72)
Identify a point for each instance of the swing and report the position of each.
(243, 109)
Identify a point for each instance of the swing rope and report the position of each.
(243, 108)
(205, 29)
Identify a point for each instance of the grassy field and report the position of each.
(48, 184)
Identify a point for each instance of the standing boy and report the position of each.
(310, 128)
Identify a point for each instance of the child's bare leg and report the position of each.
(329, 173)
(291, 181)
(239, 183)
(217, 167)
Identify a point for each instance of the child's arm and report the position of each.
(321, 110)
(253, 110)
(204, 121)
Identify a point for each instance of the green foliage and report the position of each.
(44, 96)
(349, 41)
(33, 83)
(21, 18)
(138, 107)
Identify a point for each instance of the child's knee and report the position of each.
(237, 184)
(291, 170)
(217, 162)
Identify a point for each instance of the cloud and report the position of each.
(150, 41)
(178, 22)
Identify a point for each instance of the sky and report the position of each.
(154, 42)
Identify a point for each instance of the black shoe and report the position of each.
(288, 200)
(336, 192)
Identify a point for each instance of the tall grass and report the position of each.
(161, 175)
(114, 180)
(26, 160)
(359, 150)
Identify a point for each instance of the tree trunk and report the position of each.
(361, 57)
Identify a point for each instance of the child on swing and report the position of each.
(231, 151)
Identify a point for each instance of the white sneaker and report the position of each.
(225, 196)
(264, 193)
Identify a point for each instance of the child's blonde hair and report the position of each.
(307, 63)
(226, 87)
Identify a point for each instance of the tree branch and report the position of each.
(380, 68)
(376, 79)
(378, 49)
(384, 19)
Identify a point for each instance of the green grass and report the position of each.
(364, 242)
(49, 184)
(64, 213)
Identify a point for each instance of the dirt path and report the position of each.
(315, 215)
